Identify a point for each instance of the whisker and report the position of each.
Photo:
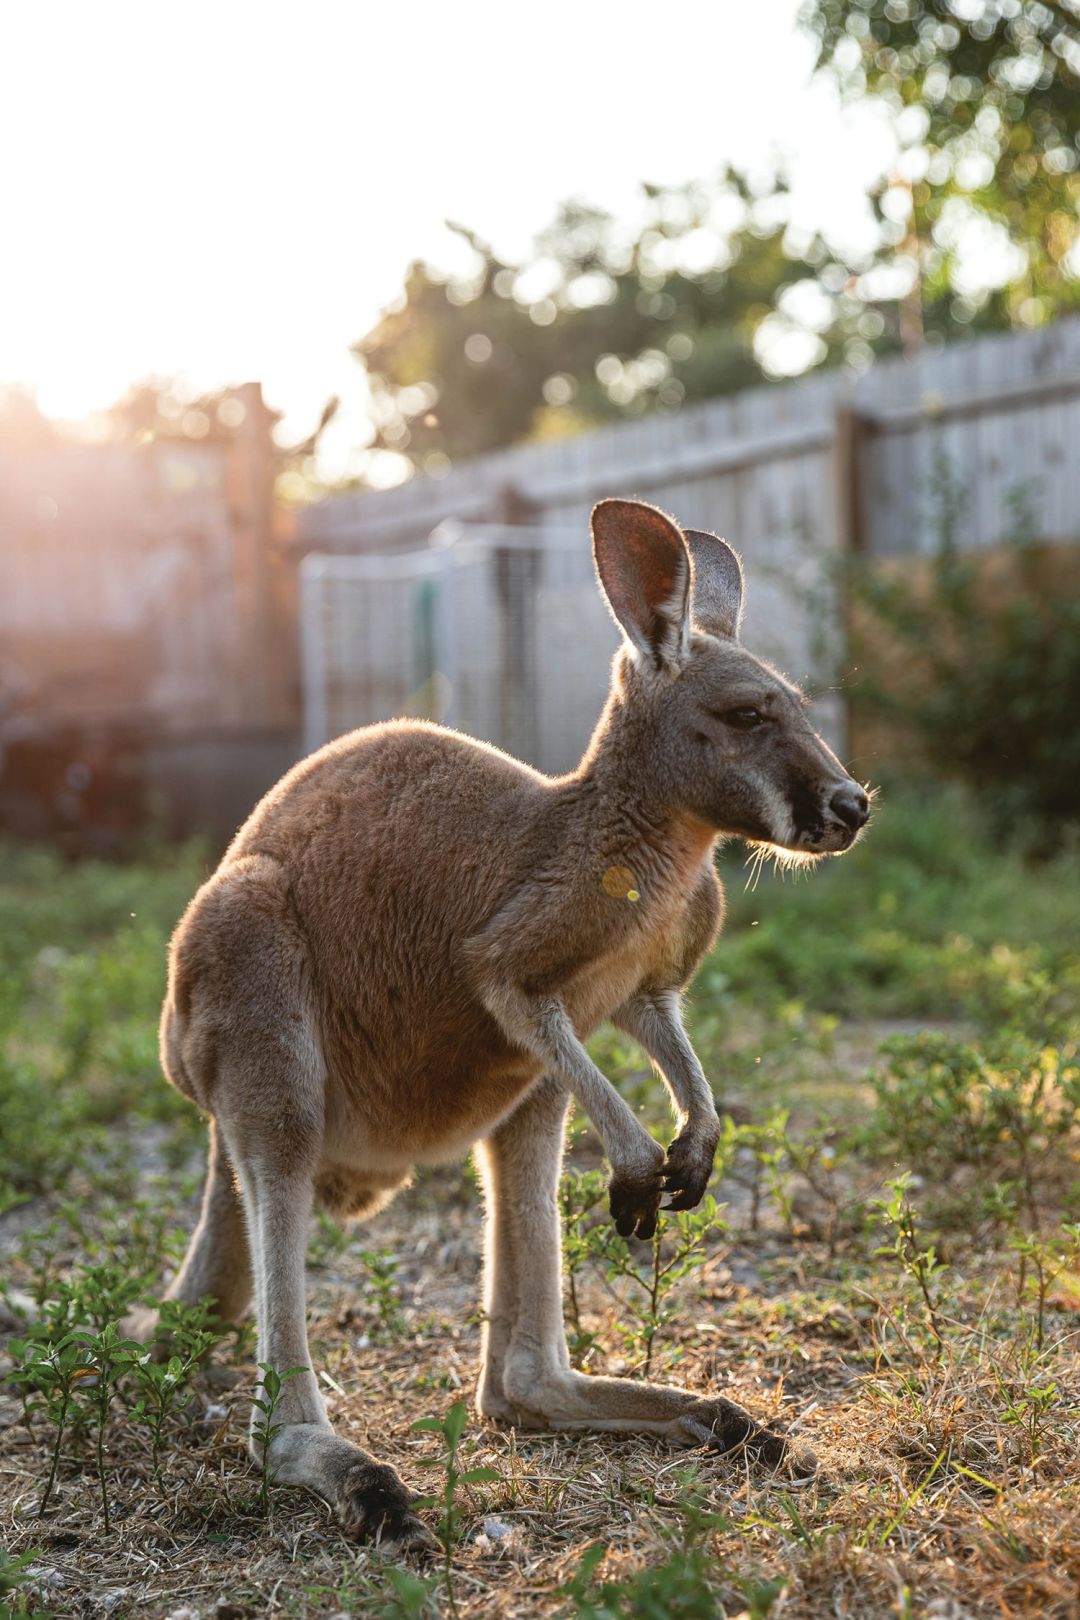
(784, 861)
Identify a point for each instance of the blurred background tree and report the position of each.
(985, 98)
(602, 322)
(712, 288)
(168, 408)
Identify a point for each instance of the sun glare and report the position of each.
(237, 197)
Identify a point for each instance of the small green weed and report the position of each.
(1043, 1260)
(380, 1268)
(690, 1584)
(676, 1250)
(14, 1574)
(71, 1364)
(159, 1387)
(918, 1261)
(451, 1428)
(267, 1400)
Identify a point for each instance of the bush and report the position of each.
(977, 662)
(924, 918)
(1005, 1108)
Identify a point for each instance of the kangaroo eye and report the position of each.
(743, 719)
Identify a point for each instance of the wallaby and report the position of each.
(402, 953)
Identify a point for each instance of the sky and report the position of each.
(234, 190)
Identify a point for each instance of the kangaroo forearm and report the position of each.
(541, 1026)
(653, 1020)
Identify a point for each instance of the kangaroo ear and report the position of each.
(644, 569)
(717, 596)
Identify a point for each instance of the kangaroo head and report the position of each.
(724, 735)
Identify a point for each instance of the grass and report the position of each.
(893, 1265)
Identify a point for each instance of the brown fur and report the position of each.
(412, 930)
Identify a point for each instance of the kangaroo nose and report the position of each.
(850, 805)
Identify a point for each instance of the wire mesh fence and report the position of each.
(497, 631)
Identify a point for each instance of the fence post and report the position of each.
(849, 435)
(516, 580)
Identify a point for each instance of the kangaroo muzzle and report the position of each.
(844, 812)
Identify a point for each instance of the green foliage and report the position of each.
(14, 1574)
(983, 673)
(774, 1159)
(1043, 1259)
(267, 1400)
(384, 1593)
(48, 1373)
(1028, 1408)
(380, 1267)
(160, 1386)
(74, 1359)
(582, 1196)
(451, 1428)
(106, 1356)
(683, 1587)
(917, 1260)
(986, 96)
(1005, 1108)
(692, 1583)
(676, 1250)
(73, 1376)
(330, 1243)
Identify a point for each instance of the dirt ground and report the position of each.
(924, 1502)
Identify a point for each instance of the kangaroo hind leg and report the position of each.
(368, 1498)
(249, 1006)
(526, 1376)
(217, 1264)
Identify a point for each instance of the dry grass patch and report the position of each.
(945, 1482)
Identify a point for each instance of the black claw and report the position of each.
(685, 1200)
(634, 1207)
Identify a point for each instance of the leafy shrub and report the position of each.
(924, 917)
(643, 1276)
(74, 1361)
(1006, 1108)
(980, 666)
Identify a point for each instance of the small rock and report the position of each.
(16, 1310)
(106, 1602)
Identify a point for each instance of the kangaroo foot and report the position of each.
(369, 1500)
(724, 1427)
(567, 1400)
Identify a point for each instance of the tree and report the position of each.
(711, 291)
(986, 100)
(598, 324)
(166, 408)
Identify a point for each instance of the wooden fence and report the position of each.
(975, 443)
(148, 622)
(147, 631)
